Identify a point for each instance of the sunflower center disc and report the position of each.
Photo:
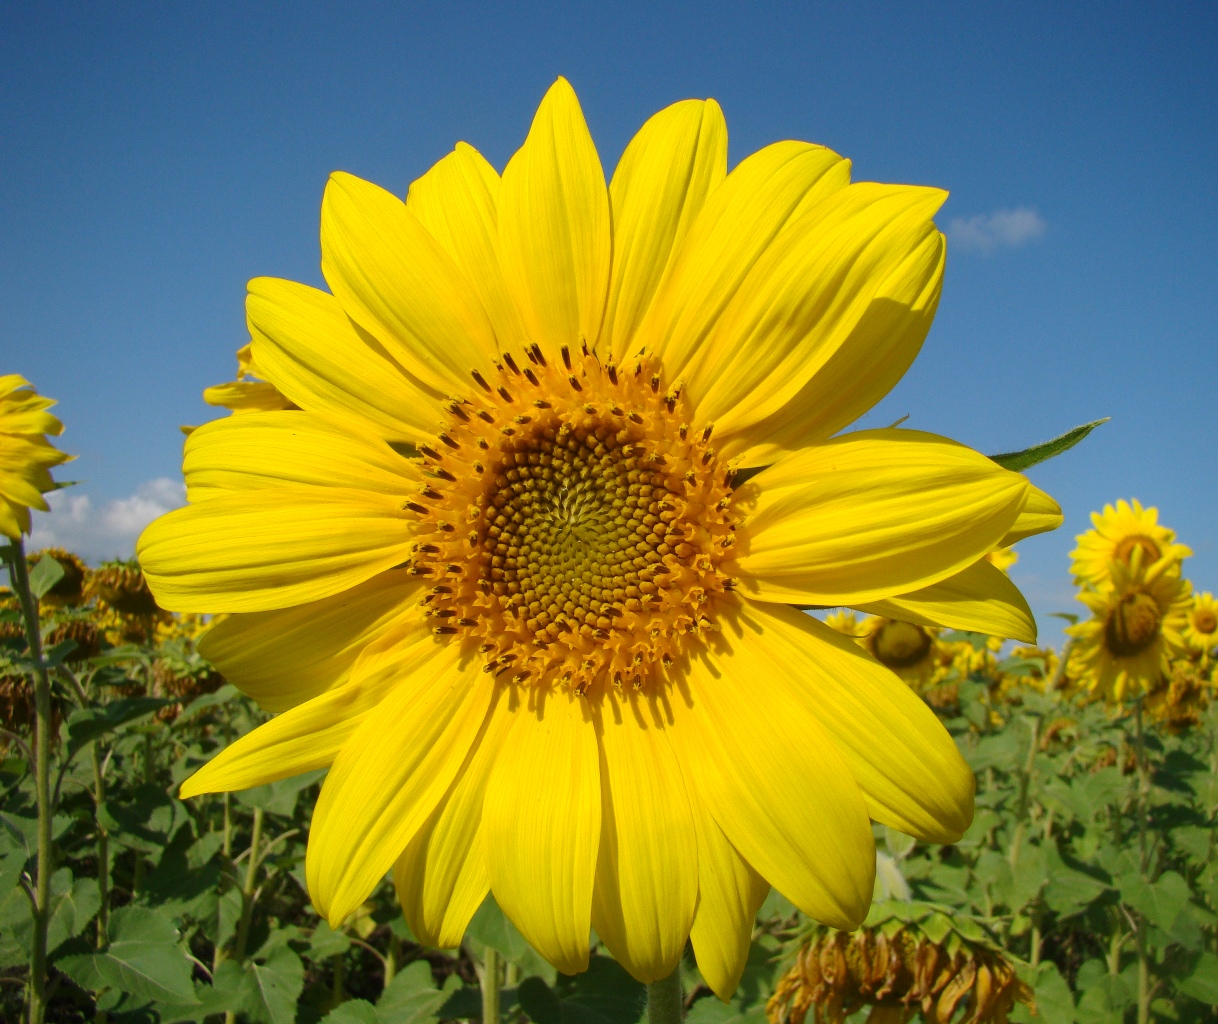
(573, 522)
(1128, 545)
(901, 644)
(1205, 621)
(1133, 625)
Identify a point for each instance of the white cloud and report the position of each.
(1004, 229)
(106, 531)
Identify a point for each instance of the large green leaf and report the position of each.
(276, 985)
(143, 959)
(1202, 983)
(1028, 457)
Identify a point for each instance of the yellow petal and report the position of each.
(307, 347)
(906, 764)
(730, 893)
(270, 449)
(283, 658)
(554, 230)
(980, 599)
(773, 779)
(441, 877)
(660, 186)
(457, 202)
(252, 551)
(870, 515)
(247, 396)
(542, 821)
(860, 371)
(807, 294)
(647, 876)
(1040, 514)
(391, 775)
(399, 285)
(311, 734)
(764, 192)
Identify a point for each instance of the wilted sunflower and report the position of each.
(1201, 631)
(496, 574)
(1118, 533)
(26, 456)
(121, 585)
(1125, 648)
(910, 958)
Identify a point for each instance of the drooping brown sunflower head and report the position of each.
(121, 585)
(904, 960)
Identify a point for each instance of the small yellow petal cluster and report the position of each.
(26, 456)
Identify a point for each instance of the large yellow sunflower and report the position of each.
(26, 456)
(1124, 650)
(497, 576)
(1118, 533)
(1201, 631)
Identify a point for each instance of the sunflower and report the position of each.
(1124, 650)
(913, 652)
(26, 456)
(1201, 631)
(497, 573)
(1118, 533)
(1002, 558)
(68, 591)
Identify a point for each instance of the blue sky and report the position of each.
(154, 157)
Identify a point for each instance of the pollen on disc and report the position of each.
(573, 522)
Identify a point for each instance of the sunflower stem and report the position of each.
(20, 579)
(490, 981)
(664, 1000)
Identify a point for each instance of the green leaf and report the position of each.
(325, 942)
(279, 797)
(73, 907)
(89, 723)
(1202, 984)
(45, 574)
(143, 959)
(144, 824)
(276, 986)
(603, 994)
(490, 927)
(412, 996)
(1159, 902)
(353, 1011)
(1054, 1002)
(1019, 461)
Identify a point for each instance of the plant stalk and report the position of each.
(103, 851)
(247, 890)
(664, 1000)
(20, 578)
(491, 982)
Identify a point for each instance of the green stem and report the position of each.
(664, 1001)
(1140, 933)
(103, 851)
(20, 579)
(1025, 786)
(247, 891)
(490, 986)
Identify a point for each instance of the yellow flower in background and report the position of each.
(1125, 649)
(1002, 558)
(1201, 631)
(26, 456)
(911, 651)
(495, 573)
(1119, 532)
(845, 621)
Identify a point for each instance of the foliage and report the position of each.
(1091, 859)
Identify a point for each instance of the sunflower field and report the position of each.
(1085, 890)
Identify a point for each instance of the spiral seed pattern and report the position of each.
(594, 521)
